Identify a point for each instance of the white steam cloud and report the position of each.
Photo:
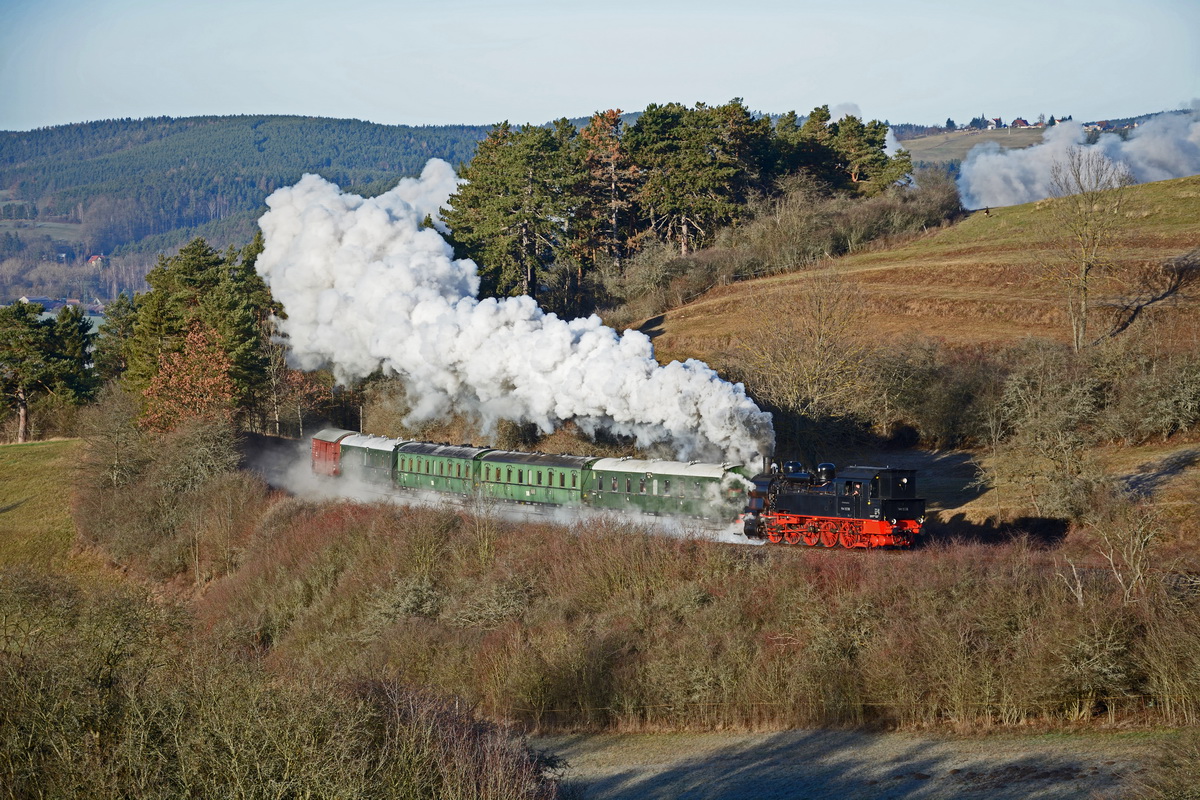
(1166, 146)
(365, 286)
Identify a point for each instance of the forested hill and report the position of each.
(127, 180)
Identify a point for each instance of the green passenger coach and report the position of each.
(532, 477)
(437, 467)
(664, 487)
(369, 458)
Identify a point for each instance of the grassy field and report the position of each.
(35, 514)
(59, 231)
(945, 147)
(977, 282)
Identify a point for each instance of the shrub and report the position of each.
(105, 698)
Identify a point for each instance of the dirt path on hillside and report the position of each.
(847, 765)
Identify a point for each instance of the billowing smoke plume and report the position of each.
(365, 286)
(1167, 146)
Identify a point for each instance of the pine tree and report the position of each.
(72, 340)
(28, 365)
(116, 331)
(808, 147)
(692, 179)
(224, 294)
(43, 356)
(605, 223)
(512, 215)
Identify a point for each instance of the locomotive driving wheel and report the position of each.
(792, 534)
(829, 534)
(774, 535)
(812, 534)
(847, 537)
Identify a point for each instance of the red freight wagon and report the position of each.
(326, 451)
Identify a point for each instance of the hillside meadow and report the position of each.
(954, 145)
(979, 281)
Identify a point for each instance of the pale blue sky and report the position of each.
(471, 61)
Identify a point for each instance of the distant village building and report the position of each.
(995, 122)
(51, 305)
(46, 302)
(96, 261)
(1019, 123)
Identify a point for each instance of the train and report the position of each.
(856, 507)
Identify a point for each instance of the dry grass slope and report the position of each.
(976, 282)
(945, 147)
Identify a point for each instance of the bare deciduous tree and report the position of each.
(810, 361)
(1090, 192)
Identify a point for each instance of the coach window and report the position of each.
(667, 488)
(520, 476)
(642, 486)
(508, 472)
(629, 486)
(614, 483)
(539, 481)
(562, 480)
(574, 475)
(599, 483)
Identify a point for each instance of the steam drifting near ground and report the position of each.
(1167, 146)
(285, 465)
(365, 285)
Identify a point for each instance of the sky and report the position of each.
(479, 62)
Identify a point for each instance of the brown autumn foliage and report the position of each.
(616, 626)
(107, 696)
(193, 383)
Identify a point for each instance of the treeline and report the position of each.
(201, 343)
(548, 211)
(125, 180)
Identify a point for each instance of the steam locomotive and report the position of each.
(858, 507)
(861, 507)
